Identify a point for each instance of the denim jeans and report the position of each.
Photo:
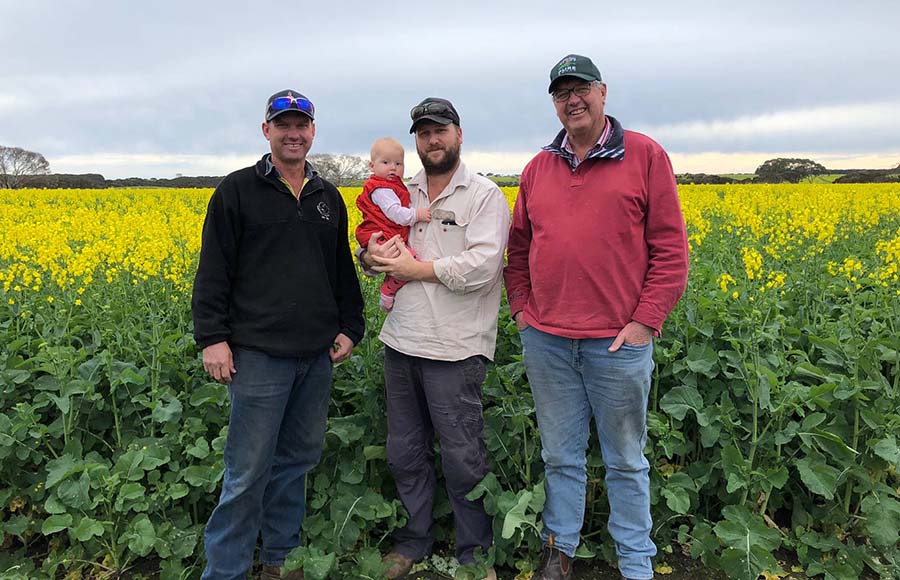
(573, 380)
(279, 407)
(423, 397)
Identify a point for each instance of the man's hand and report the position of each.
(341, 348)
(520, 321)
(218, 362)
(374, 250)
(404, 266)
(634, 333)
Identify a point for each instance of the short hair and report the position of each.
(383, 143)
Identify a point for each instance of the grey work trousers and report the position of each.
(425, 396)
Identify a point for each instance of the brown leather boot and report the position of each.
(396, 565)
(555, 565)
(274, 573)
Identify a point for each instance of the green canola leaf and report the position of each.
(211, 393)
(141, 535)
(62, 468)
(887, 449)
(56, 523)
(681, 399)
(346, 429)
(316, 564)
(516, 518)
(371, 452)
(819, 477)
(678, 499)
(882, 520)
(703, 360)
(129, 465)
(167, 410)
(128, 493)
(748, 565)
(742, 528)
(86, 529)
(76, 492)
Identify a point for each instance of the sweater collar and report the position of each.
(610, 147)
(271, 171)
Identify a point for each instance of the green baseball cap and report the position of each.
(574, 65)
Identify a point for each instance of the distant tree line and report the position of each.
(795, 170)
(871, 176)
(703, 179)
(21, 168)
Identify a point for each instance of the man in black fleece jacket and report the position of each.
(276, 302)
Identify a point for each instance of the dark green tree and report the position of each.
(790, 170)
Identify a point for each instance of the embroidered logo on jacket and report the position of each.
(324, 210)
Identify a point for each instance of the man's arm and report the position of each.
(212, 285)
(482, 260)
(666, 238)
(347, 293)
(517, 274)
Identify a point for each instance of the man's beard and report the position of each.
(445, 165)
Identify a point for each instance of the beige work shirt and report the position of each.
(457, 318)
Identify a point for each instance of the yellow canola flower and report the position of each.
(723, 281)
(79, 242)
(752, 262)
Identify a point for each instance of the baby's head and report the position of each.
(386, 158)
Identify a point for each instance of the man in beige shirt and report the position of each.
(439, 335)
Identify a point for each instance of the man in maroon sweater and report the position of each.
(597, 259)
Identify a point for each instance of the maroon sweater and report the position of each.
(592, 249)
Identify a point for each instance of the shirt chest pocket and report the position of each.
(450, 238)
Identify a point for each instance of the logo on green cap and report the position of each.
(566, 65)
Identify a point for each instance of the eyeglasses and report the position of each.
(564, 94)
(440, 109)
(292, 102)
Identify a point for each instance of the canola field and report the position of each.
(774, 416)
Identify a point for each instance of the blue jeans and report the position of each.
(573, 380)
(279, 407)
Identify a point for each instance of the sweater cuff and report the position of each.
(360, 252)
(210, 340)
(355, 336)
(517, 303)
(646, 316)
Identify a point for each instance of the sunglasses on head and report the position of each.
(439, 109)
(292, 102)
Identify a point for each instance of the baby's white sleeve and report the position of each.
(387, 200)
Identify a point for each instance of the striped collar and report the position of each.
(611, 144)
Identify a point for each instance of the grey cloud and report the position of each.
(191, 77)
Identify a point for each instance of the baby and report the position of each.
(384, 203)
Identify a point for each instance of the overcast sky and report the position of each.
(153, 89)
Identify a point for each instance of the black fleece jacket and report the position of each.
(276, 274)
